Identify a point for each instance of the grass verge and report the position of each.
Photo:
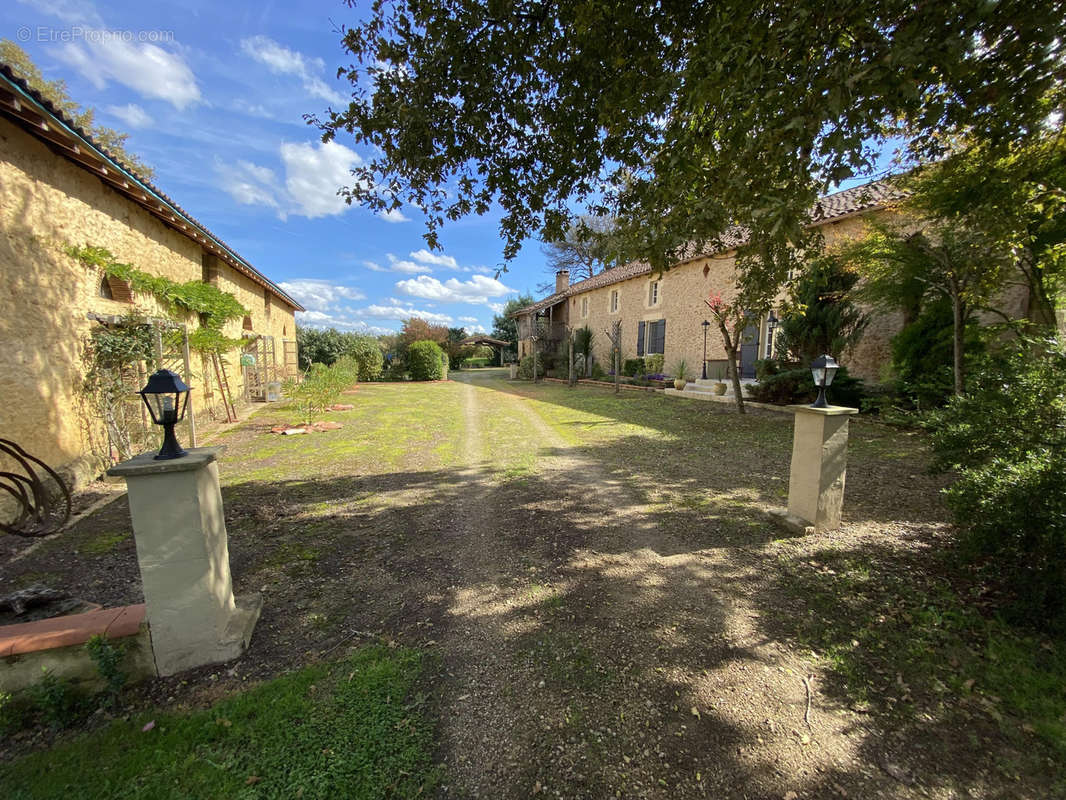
(354, 729)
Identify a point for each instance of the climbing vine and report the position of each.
(215, 306)
(116, 357)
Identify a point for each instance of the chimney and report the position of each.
(562, 280)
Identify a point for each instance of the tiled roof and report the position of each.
(833, 206)
(76, 144)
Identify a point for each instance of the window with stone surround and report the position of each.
(584, 308)
(614, 301)
(654, 294)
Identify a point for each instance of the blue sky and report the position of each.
(212, 95)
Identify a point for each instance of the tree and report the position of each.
(327, 346)
(583, 251)
(417, 329)
(55, 92)
(1018, 201)
(732, 319)
(504, 326)
(824, 318)
(681, 121)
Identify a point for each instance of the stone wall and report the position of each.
(681, 295)
(47, 203)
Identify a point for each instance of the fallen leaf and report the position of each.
(252, 780)
(148, 726)
(696, 713)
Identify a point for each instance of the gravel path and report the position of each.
(604, 656)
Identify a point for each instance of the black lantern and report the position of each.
(824, 369)
(167, 398)
(705, 325)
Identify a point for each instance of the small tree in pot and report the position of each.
(681, 375)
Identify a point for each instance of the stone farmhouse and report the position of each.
(58, 188)
(663, 313)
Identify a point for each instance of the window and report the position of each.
(614, 302)
(653, 293)
(653, 334)
(584, 307)
(115, 289)
(247, 323)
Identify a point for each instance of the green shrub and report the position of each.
(796, 385)
(634, 366)
(107, 656)
(320, 388)
(473, 363)
(426, 361)
(923, 355)
(56, 700)
(597, 373)
(395, 371)
(653, 365)
(1006, 439)
(525, 368)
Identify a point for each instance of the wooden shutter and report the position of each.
(640, 339)
(120, 289)
(661, 338)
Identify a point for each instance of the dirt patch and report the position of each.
(611, 611)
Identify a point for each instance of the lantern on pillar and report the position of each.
(823, 369)
(167, 398)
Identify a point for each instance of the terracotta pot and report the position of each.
(719, 388)
(679, 384)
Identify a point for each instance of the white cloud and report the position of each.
(477, 329)
(408, 267)
(496, 308)
(250, 184)
(441, 260)
(320, 295)
(394, 215)
(132, 114)
(476, 290)
(314, 173)
(399, 312)
(148, 69)
(319, 319)
(282, 61)
(468, 319)
(373, 266)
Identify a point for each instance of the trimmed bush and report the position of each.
(653, 364)
(426, 361)
(634, 366)
(796, 385)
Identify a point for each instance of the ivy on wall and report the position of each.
(215, 306)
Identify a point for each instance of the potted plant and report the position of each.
(681, 375)
(719, 386)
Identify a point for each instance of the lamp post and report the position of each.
(706, 325)
(824, 369)
(771, 326)
(167, 399)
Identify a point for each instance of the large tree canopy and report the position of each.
(681, 119)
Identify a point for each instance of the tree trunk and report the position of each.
(617, 369)
(959, 331)
(731, 357)
(534, 362)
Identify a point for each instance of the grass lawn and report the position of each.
(598, 606)
(353, 729)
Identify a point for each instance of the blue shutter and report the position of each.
(662, 337)
(640, 339)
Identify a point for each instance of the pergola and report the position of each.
(499, 344)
